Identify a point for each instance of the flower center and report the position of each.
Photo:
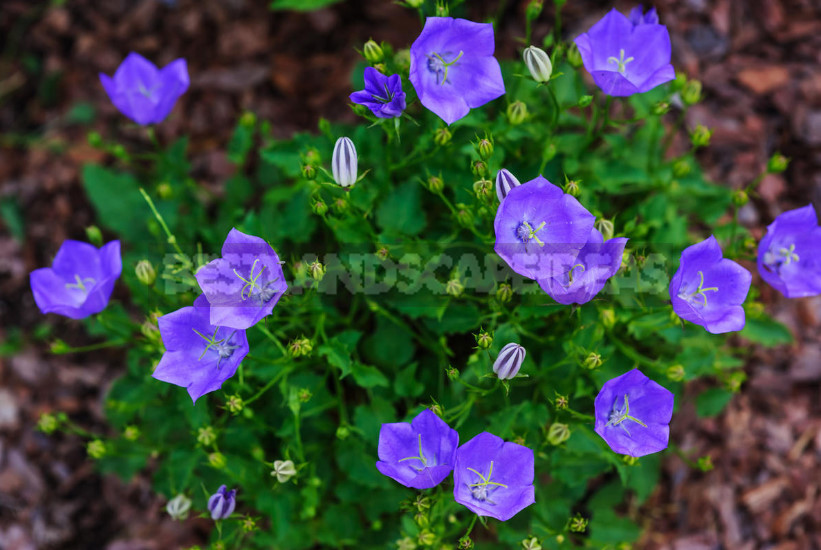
(223, 347)
(480, 490)
(619, 415)
(621, 62)
(698, 296)
(775, 258)
(570, 274)
(438, 65)
(526, 233)
(388, 97)
(263, 292)
(421, 457)
(80, 283)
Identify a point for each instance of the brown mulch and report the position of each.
(758, 60)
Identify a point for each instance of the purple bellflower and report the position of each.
(633, 414)
(627, 56)
(383, 95)
(245, 284)
(708, 289)
(452, 67)
(144, 93)
(419, 454)
(509, 361)
(222, 503)
(582, 279)
(638, 17)
(493, 477)
(540, 229)
(198, 355)
(789, 255)
(80, 280)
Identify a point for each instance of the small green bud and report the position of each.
(131, 433)
(558, 433)
(217, 460)
(777, 163)
(248, 524)
(750, 245)
(571, 187)
(372, 51)
(504, 293)
(304, 395)
(47, 423)
(701, 136)
(465, 543)
(454, 287)
(681, 168)
(661, 108)
(464, 215)
(234, 404)
(483, 189)
(452, 373)
(376, 525)
(94, 235)
(381, 68)
(740, 197)
(426, 538)
(516, 113)
(442, 10)
(484, 148)
(145, 272)
(96, 449)
(319, 208)
(406, 543)
(531, 544)
(442, 137)
(679, 82)
(735, 380)
(549, 152)
(309, 172)
(341, 205)
(316, 270)
(534, 8)
(119, 152)
(435, 184)
(691, 92)
(483, 340)
(479, 168)
(592, 361)
(206, 436)
(705, 463)
(402, 59)
(578, 524)
(422, 503)
(382, 253)
(95, 139)
(573, 56)
(561, 402)
(422, 520)
(248, 119)
(343, 432)
(608, 318)
(311, 156)
(630, 460)
(675, 373)
(585, 100)
(164, 190)
(300, 347)
(560, 538)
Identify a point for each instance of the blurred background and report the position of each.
(760, 65)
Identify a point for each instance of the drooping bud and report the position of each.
(573, 56)
(178, 507)
(222, 503)
(777, 163)
(217, 460)
(483, 340)
(504, 293)
(372, 51)
(316, 270)
(691, 93)
(482, 189)
(538, 63)
(505, 181)
(442, 136)
(558, 433)
(701, 136)
(484, 148)
(344, 162)
(145, 272)
(283, 470)
(516, 113)
(509, 361)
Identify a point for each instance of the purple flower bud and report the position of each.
(80, 281)
(509, 361)
(222, 503)
(493, 477)
(708, 289)
(452, 67)
(419, 454)
(627, 57)
(343, 162)
(638, 17)
(383, 95)
(789, 255)
(505, 181)
(633, 414)
(144, 93)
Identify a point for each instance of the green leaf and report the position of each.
(406, 384)
(117, 201)
(766, 331)
(401, 214)
(367, 376)
(712, 401)
(300, 5)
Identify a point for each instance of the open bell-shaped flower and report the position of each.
(789, 255)
(344, 162)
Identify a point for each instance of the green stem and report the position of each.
(172, 240)
(472, 523)
(284, 372)
(90, 347)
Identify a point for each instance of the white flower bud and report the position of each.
(343, 163)
(283, 469)
(538, 63)
(178, 507)
(509, 361)
(505, 181)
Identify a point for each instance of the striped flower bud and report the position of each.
(222, 503)
(343, 163)
(509, 361)
(538, 63)
(178, 507)
(505, 181)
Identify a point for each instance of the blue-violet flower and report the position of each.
(708, 289)
(452, 67)
(627, 57)
(633, 414)
(419, 454)
(383, 95)
(245, 284)
(638, 17)
(144, 93)
(79, 281)
(789, 255)
(493, 477)
(505, 181)
(540, 229)
(222, 503)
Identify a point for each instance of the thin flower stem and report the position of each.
(172, 240)
(91, 347)
(273, 338)
(472, 523)
(284, 372)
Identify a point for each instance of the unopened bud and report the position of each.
(516, 113)
(178, 507)
(675, 373)
(372, 51)
(464, 215)
(426, 538)
(341, 205)
(452, 373)
(558, 433)
(344, 162)
(661, 108)
(343, 432)
(681, 168)
(578, 524)
(442, 136)
(300, 347)
(509, 361)
(531, 544)
(571, 187)
(222, 503)
(421, 519)
(217, 460)
(479, 168)
(608, 318)
(534, 8)
(435, 184)
(483, 340)
(47, 423)
(145, 272)
(316, 270)
(309, 172)
(234, 404)
(206, 436)
(740, 197)
(504, 293)
(573, 56)
(549, 152)
(691, 92)
(131, 433)
(538, 63)
(319, 208)
(482, 189)
(701, 136)
(304, 395)
(592, 361)
(96, 449)
(585, 100)
(484, 148)
(402, 59)
(95, 236)
(605, 227)
(777, 163)
(454, 287)
(505, 181)
(283, 470)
